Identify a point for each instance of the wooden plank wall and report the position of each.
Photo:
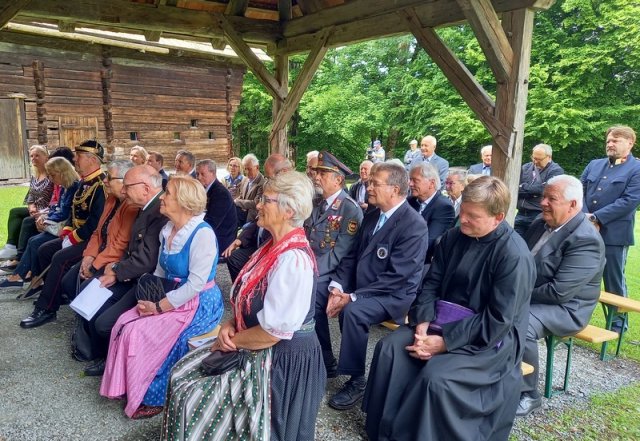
(157, 101)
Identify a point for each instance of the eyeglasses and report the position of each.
(379, 184)
(265, 200)
(126, 186)
(110, 178)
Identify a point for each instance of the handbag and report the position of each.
(447, 312)
(219, 362)
(81, 347)
(153, 288)
(54, 228)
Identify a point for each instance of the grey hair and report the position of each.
(209, 163)
(546, 148)
(251, 158)
(122, 166)
(461, 173)
(572, 190)
(188, 156)
(150, 175)
(397, 175)
(312, 154)
(366, 162)
(427, 171)
(295, 192)
(395, 161)
(485, 149)
(281, 166)
(413, 141)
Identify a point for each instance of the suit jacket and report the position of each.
(386, 265)
(165, 178)
(476, 169)
(612, 193)
(353, 193)
(248, 237)
(144, 246)
(249, 196)
(441, 164)
(332, 234)
(439, 215)
(118, 233)
(532, 184)
(569, 270)
(221, 214)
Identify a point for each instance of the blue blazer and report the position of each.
(221, 215)
(612, 193)
(387, 265)
(476, 169)
(439, 215)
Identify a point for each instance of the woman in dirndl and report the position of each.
(275, 393)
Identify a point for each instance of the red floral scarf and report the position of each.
(260, 264)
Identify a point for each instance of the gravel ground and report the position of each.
(45, 396)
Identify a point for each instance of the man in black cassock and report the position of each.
(465, 383)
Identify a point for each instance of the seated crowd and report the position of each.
(415, 241)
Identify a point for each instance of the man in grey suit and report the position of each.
(250, 190)
(331, 230)
(483, 168)
(379, 277)
(569, 257)
(428, 149)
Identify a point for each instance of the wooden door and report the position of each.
(13, 139)
(75, 129)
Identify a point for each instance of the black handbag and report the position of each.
(219, 362)
(153, 288)
(81, 347)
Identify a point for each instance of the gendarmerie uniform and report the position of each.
(331, 230)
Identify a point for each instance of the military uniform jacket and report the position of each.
(612, 193)
(332, 234)
(86, 208)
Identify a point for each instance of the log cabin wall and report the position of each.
(71, 96)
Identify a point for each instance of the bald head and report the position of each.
(428, 146)
(141, 184)
(275, 164)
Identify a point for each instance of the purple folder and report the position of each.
(447, 312)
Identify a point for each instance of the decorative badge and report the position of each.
(336, 204)
(352, 228)
(334, 222)
(382, 253)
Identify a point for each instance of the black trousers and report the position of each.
(27, 230)
(237, 259)
(322, 322)
(61, 259)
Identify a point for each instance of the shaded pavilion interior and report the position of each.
(281, 28)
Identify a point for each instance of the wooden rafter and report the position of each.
(309, 69)
(236, 7)
(126, 15)
(285, 10)
(66, 26)
(457, 73)
(218, 43)
(152, 35)
(485, 23)
(10, 9)
(310, 6)
(278, 140)
(250, 59)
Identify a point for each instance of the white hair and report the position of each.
(572, 190)
(251, 158)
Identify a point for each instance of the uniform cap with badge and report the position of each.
(91, 146)
(326, 161)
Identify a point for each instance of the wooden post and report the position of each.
(229, 111)
(278, 140)
(41, 110)
(105, 75)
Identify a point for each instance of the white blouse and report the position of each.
(288, 297)
(202, 254)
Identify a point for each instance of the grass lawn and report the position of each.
(614, 416)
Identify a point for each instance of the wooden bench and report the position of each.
(613, 304)
(590, 333)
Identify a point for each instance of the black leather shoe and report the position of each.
(38, 317)
(528, 404)
(349, 395)
(95, 369)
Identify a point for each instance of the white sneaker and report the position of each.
(8, 252)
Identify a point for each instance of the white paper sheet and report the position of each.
(90, 299)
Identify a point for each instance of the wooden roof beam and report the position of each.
(310, 6)
(285, 10)
(66, 26)
(236, 7)
(10, 9)
(123, 14)
(458, 75)
(377, 19)
(250, 59)
(152, 35)
(485, 23)
(305, 76)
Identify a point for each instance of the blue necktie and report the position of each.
(381, 220)
(423, 205)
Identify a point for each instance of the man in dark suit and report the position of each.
(185, 163)
(378, 279)
(156, 160)
(569, 258)
(250, 190)
(428, 148)
(483, 168)
(358, 190)
(331, 230)
(143, 187)
(221, 212)
(435, 208)
(611, 197)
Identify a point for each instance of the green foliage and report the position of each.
(9, 197)
(585, 67)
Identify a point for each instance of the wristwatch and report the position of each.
(593, 218)
(114, 266)
(158, 308)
